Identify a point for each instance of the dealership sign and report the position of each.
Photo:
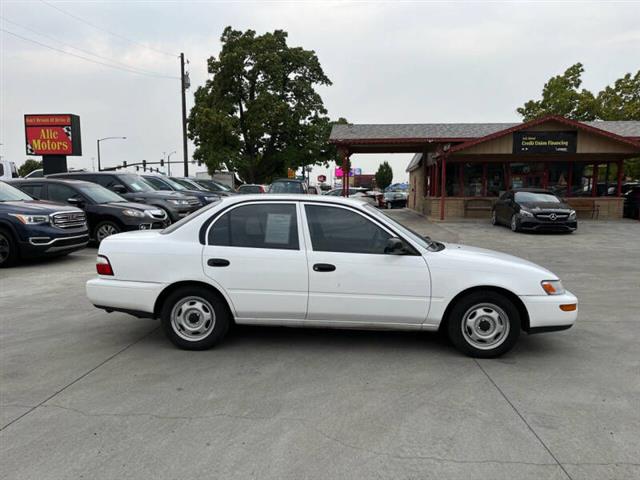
(52, 134)
(544, 142)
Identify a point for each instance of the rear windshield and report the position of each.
(183, 221)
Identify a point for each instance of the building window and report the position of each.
(558, 178)
(496, 182)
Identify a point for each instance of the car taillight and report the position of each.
(103, 266)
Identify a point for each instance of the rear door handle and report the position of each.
(323, 267)
(218, 262)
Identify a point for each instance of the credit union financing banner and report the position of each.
(52, 134)
(544, 142)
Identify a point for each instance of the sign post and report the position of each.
(54, 136)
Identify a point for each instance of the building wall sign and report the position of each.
(544, 142)
(52, 134)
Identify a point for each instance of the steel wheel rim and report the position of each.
(514, 223)
(493, 217)
(5, 249)
(485, 326)
(193, 319)
(105, 231)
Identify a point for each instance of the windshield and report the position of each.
(534, 197)
(99, 194)
(163, 182)
(213, 185)
(424, 242)
(12, 194)
(136, 183)
(286, 187)
(187, 184)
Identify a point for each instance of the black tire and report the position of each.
(8, 249)
(107, 225)
(479, 301)
(514, 224)
(494, 218)
(180, 300)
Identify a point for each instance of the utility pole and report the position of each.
(184, 84)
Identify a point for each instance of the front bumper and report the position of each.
(545, 313)
(37, 246)
(123, 295)
(145, 223)
(536, 224)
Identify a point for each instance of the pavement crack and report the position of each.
(535, 434)
(73, 382)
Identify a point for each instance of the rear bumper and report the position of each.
(545, 314)
(123, 295)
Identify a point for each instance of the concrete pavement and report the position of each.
(86, 394)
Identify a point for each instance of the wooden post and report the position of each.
(344, 153)
(570, 180)
(485, 168)
(620, 173)
(594, 181)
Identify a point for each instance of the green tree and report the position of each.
(622, 100)
(29, 166)
(384, 175)
(260, 113)
(561, 95)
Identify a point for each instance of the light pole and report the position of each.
(169, 163)
(103, 139)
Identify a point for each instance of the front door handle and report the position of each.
(323, 267)
(218, 262)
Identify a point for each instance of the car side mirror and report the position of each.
(394, 246)
(119, 189)
(75, 201)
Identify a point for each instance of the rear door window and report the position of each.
(257, 226)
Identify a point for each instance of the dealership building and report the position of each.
(459, 169)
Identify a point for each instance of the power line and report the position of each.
(85, 58)
(129, 67)
(122, 37)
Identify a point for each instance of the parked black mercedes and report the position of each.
(168, 185)
(107, 212)
(32, 228)
(136, 189)
(533, 209)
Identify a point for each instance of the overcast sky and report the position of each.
(390, 62)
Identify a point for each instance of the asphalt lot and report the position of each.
(86, 394)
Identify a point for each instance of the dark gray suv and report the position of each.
(136, 189)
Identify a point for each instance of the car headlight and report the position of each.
(155, 213)
(572, 214)
(525, 213)
(31, 219)
(179, 202)
(133, 213)
(552, 287)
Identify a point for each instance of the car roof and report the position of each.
(56, 180)
(293, 197)
(287, 180)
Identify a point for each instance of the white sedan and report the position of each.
(300, 260)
